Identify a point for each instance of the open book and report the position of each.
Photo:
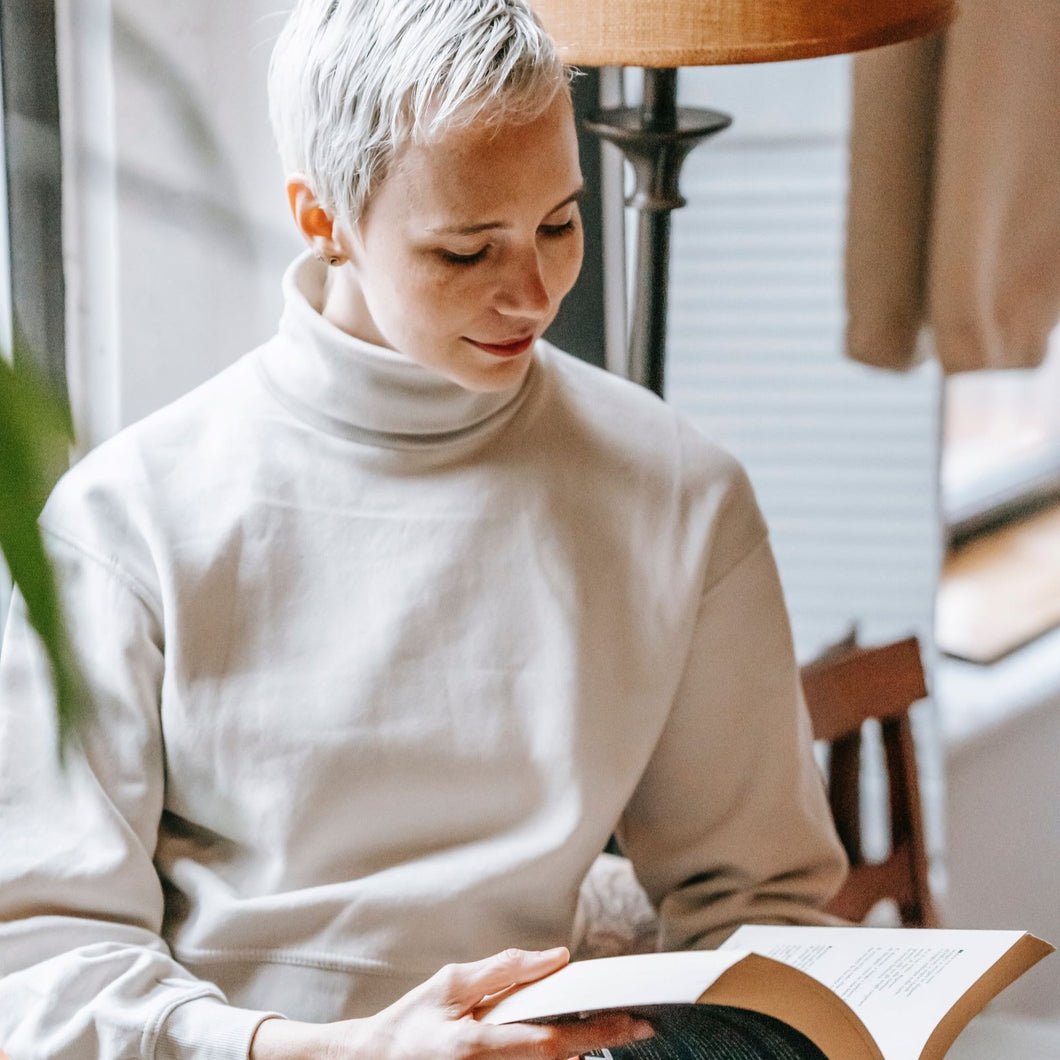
(792, 993)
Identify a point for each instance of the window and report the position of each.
(1001, 444)
(1000, 481)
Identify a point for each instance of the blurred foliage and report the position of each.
(35, 437)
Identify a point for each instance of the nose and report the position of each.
(522, 290)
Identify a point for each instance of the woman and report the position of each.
(395, 621)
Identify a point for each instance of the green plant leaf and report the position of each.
(35, 436)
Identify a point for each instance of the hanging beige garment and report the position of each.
(954, 211)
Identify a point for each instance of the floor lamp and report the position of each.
(662, 35)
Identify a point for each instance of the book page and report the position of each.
(899, 981)
(615, 982)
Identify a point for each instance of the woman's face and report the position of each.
(467, 248)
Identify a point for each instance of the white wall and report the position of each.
(176, 213)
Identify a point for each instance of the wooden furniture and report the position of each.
(846, 688)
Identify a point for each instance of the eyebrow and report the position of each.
(470, 230)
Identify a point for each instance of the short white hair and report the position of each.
(353, 81)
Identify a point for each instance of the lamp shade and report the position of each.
(671, 33)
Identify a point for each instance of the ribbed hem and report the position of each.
(205, 1028)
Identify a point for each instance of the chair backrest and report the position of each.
(845, 688)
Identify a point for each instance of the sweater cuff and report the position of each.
(206, 1028)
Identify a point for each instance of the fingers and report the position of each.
(459, 988)
(559, 1041)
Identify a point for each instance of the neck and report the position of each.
(345, 307)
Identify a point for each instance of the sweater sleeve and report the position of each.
(729, 824)
(83, 968)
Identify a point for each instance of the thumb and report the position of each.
(459, 988)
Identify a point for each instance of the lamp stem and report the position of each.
(646, 360)
(659, 98)
(655, 137)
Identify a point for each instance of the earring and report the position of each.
(333, 261)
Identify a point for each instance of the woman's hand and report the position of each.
(434, 1022)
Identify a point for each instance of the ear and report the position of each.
(315, 223)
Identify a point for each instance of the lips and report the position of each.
(505, 349)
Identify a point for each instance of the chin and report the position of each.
(491, 378)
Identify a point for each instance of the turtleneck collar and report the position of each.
(367, 392)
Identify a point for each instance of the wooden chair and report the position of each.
(845, 688)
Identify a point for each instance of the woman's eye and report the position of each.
(553, 231)
(453, 258)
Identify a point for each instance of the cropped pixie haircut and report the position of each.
(353, 81)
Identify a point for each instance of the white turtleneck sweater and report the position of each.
(379, 664)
